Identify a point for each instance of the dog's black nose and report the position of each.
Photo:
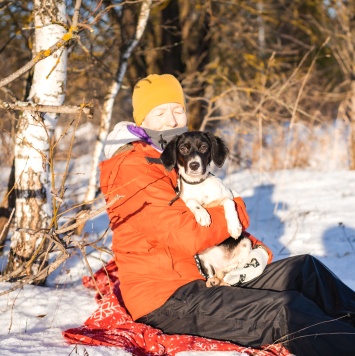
(194, 166)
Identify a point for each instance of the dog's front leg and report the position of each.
(201, 214)
(233, 223)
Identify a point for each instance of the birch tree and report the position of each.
(113, 89)
(32, 146)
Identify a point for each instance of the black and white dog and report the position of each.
(193, 153)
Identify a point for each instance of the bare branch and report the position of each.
(86, 108)
(50, 268)
(59, 260)
(87, 216)
(7, 224)
(82, 249)
(5, 5)
(64, 41)
(8, 92)
(39, 56)
(39, 276)
(76, 14)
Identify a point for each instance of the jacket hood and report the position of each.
(118, 137)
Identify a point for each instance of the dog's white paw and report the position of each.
(202, 217)
(234, 229)
(233, 222)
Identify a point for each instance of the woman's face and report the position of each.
(165, 117)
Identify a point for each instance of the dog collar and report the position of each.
(198, 182)
(199, 266)
(178, 191)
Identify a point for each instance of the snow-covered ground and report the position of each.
(293, 212)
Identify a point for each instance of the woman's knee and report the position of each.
(303, 262)
(302, 258)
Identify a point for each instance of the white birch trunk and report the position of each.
(34, 133)
(109, 100)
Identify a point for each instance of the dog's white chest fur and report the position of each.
(206, 194)
(210, 192)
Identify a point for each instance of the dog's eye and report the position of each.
(203, 148)
(184, 150)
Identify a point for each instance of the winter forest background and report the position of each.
(274, 79)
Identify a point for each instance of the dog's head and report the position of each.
(194, 151)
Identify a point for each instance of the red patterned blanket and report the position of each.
(111, 325)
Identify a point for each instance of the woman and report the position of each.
(288, 301)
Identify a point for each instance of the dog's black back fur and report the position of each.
(204, 144)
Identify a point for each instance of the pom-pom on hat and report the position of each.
(155, 90)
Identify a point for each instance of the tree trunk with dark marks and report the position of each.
(33, 139)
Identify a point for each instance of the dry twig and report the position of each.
(87, 216)
(7, 224)
(53, 236)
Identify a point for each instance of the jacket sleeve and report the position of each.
(147, 191)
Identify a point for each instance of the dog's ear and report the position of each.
(169, 155)
(219, 150)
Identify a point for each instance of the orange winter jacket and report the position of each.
(154, 244)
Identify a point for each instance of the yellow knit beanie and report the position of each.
(155, 90)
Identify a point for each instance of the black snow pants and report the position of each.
(296, 301)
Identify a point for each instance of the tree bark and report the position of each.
(32, 146)
(171, 61)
